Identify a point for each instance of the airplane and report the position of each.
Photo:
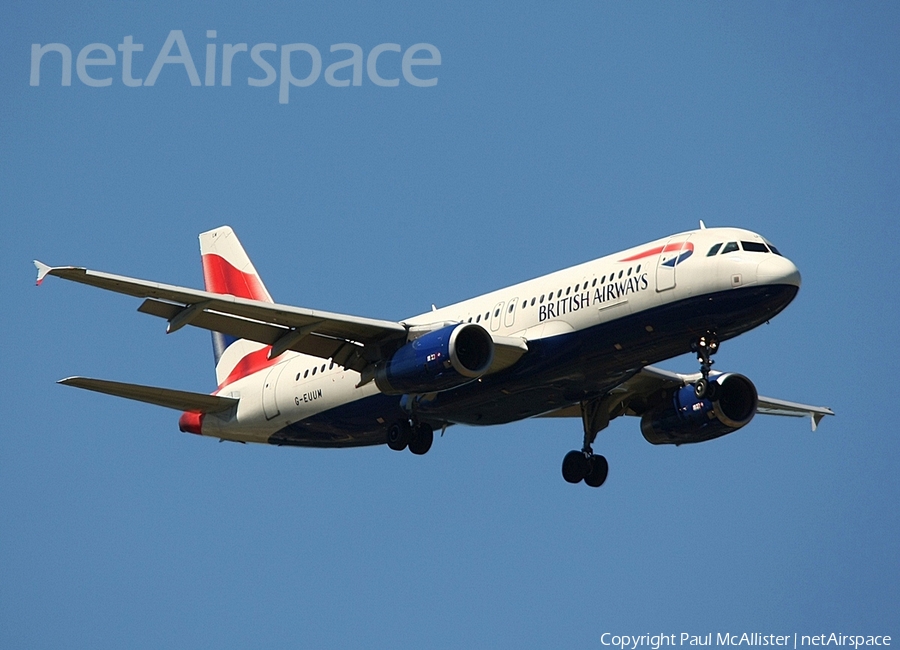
(576, 343)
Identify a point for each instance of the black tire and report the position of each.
(398, 435)
(421, 440)
(701, 388)
(575, 467)
(598, 472)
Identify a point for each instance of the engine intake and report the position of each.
(682, 418)
(440, 360)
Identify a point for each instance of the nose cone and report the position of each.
(777, 270)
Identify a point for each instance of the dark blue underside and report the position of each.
(555, 372)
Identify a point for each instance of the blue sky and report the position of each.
(553, 136)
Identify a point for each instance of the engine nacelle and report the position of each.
(682, 418)
(436, 361)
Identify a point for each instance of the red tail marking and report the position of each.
(221, 277)
(253, 362)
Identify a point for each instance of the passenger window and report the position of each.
(298, 377)
(306, 373)
(730, 247)
(323, 367)
(541, 302)
(594, 283)
(478, 320)
(532, 302)
(558, 295)
(620, 274)
(754, 247)
(629, 271)
(603, 279)
(314, 371)
(568, 290)
(714, 249)
(576, 287)
(511, 307)
(638, 269)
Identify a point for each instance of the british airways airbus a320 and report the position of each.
(574, 343)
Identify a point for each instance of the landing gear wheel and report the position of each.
(398, 435)
(421, 440)
(575, 466)
(701, 388)
(598, 472)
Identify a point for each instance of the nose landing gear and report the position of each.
(705, 347)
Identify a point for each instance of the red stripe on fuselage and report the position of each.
(668, 248)
(221, 277)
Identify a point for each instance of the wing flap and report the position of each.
(174, 399)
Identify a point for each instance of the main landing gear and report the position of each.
(705, 347)
(403, 434)
(584, 465)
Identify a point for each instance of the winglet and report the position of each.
(815, 418)
(42, 270)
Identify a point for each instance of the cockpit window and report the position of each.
(775, 250)
(730, 247)
(714, 249)
(754, 247)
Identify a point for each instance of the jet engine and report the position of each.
(682, 418)
(440, 360)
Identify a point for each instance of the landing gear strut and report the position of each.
(584, 465)
(705, 347)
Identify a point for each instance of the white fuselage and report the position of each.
(598, 292)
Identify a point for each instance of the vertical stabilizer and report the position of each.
(228, 270)
(226, 267)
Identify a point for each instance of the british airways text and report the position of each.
(605, 293)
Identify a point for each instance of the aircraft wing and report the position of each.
(350, 341)
(627, 397)
(328, 335)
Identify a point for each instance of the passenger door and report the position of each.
(669, 259)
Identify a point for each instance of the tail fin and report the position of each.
(228, 270)
(226, 267)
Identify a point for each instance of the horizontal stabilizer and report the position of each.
(174, 399)
(42, 270)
